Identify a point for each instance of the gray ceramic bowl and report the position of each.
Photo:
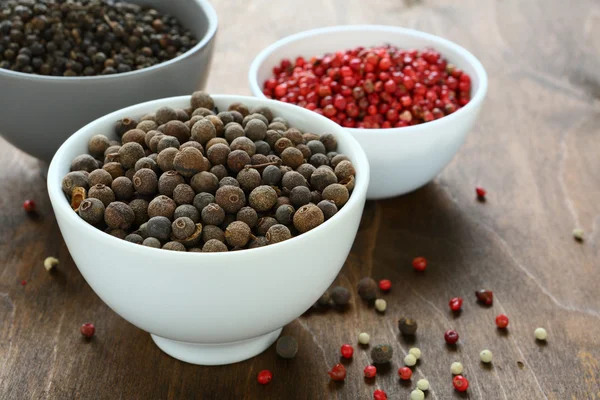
(38, 113)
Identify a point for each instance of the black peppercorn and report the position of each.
(382, 353)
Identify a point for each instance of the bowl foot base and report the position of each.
(216, 353)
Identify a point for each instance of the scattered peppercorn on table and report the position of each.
(455, 261)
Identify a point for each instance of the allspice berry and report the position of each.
(76, 179)
(263, 225)
(321, 178)
(91, 211)
(318, 160)
(162, 206)
(316, 147)
(134, 238)
(102, 193)
(119, 215)
(129, 153)
(202, 99)
(164, 115)
(245, 144)
(294, 135)
(159, 227)
(151, 242)
(231, 198)
(308, 217)
(218, 153)
(167, 141)
(187, 210)
(285, 214)
(134, 135)
(247, 215)
(367, 289)
(166, 158)
(174, 246)
(124, 125)
(237, 160)
(344, 170)
(340, 296)
(84, 162)
(278, 233)
(407, 326)
(145, 182)
(337, 159)
(239, 107)
(271, 175)
(97, 145)
(213, 214)
(292, 179)
(258, 241)
(168, 182)
(218, 124)
(183, 228)
(204, 182)
(300, 195)
(255, 130)
(201, 200)
(214, 246)
(122, 187)
(336, 193)
(177, 129)
(328, 207)
(183, 194)
(329, 141)
(286, 347)
(263, 198)
(237, 234)
(306, 170)
(189, 162)
(96, 176)
(233, 131)
(249, 179)
(213, 232)
(140, 209)
(203, 131)
(114, 169)
(292, 157)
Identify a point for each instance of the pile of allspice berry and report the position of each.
(197, 179)
(87, 37)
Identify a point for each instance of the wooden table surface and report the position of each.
(535, 148)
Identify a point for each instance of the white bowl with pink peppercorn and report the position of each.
(210, 308)
(403, 158)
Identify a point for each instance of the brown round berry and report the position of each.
(237, 234)
(218, 124)
(161, 206)
(168, 182)
(214, 246)
(220, 171)
(124, 125)
(151, 242)
(278, 233)
(203, 131)
(271, 175)
(338, 159)
(247, 215)
(145, 182)
(304, 150)
(231, 198)
(328, 207)
(329, 141)
(167, 141)
(147, 126)
(91, 211)
(189, 162)
(307, 136)
(122, 187)
(213, 214)
(129, 153)
(78, 179)
(239, 107)
(318, 160)
(140, 209)
(213, 232)
(84, 162)
(183, 228)
(114, 169)
(243, 143)
(300, 195)
(155, 140)
(292, 179)
(321, 178)
(282, 144)
(183, 194)
(285, 214)
(204, 182)
(164, 115)
(202, 99)
(177, 129)
(187, 210)
(96, 176)
(316, 147)
(233, 131)
(308, 217)
(336, 193)
(292, 157)
(166, 157)
(294, 135)
(202, 112)
(255, 130)
(159, 227)
(193, 144)
(249, 179)
(102, 193)
(134, 238)
(174, 246)
(97, 145)
(119, 215)
(263, 225)
(214, 141)
(344, 169)
(258, 241)
(217, 154)
(263, 198)
(134, 136)
(306, 170)
(237, 160)
(367, 289)
(229, 180)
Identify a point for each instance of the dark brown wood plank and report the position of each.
(535, 148)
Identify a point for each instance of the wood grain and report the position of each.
(535, 148)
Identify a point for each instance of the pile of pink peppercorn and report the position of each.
(376, 87)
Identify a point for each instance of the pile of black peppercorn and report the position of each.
(197, 179)
(86, 37)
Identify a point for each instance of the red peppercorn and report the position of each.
(87, 330)
(347, 351)
(405, 373)
(460, 383)
(385, 285)
(501, 321)
(370, 371)
(419, 263)
(23, 282)
(451, 336)
(485, 297)
(379, 395)
(265, 376)
(29, 206)
(338, 372)
(456, 303)
(481, 192)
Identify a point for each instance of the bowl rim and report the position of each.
(475, 101)
(211, 30)
(58, 199)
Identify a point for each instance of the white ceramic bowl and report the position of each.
(401, 159)
(38, 113)
(211, 308)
